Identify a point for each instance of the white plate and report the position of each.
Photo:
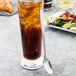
(57, 15)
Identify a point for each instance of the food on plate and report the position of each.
(66, 20)
(69, 25)
(5, 5)
(73, 29)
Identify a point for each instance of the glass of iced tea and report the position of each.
(31, 32)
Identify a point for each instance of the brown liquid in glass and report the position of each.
(29, 16)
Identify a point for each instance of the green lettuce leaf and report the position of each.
(69, 25)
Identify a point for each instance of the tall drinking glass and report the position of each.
(65, 4)
(31, 32)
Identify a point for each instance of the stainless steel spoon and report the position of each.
(47, 64)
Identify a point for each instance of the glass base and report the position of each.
(32, 64)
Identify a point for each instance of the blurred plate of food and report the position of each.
(62, 20)
(8, 7)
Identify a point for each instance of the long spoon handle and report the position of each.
(44, 46)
